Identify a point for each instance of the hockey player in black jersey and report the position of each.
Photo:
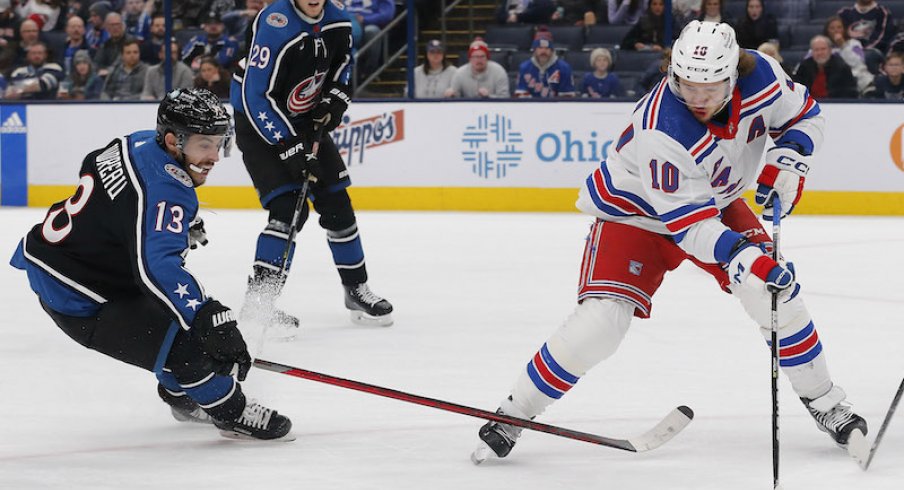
(107, 265)
(292, 85)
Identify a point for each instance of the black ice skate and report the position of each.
(184, 409)
(498, 439)
(834, 416)
(257, 422)
(366, 307)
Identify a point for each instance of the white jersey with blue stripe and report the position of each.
(670, 172)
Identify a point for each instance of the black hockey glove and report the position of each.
(328, 112)
(297, 154)
(217, 331)
(197, 235)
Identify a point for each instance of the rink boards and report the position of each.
(497, 156)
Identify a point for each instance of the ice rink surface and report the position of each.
(475, 297)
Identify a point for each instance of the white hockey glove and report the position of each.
(784, 173)
(196, 234)
(749, 266)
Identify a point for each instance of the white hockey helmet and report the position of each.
(705, 52)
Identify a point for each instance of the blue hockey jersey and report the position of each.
(124, 232)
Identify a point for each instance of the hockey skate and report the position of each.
(184, 409)
(498, 439)
(256, 422)
(366, 307)
(835, 417)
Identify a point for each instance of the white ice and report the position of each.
(475, 296)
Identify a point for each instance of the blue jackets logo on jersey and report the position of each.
(277, 20)
(304, 96)
(492, 147)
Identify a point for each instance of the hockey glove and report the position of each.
(784, 173)
(217, 331)
(196, 234)
(328, 112)
(300, 159)
(749, 266)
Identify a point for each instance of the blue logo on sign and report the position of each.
(492, 147)
(13, 155)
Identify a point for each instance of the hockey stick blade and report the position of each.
(857, 445)
(664, 431)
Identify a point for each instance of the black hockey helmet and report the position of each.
(192, 111)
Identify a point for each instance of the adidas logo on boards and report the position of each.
(13, 124)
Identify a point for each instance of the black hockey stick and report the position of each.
(299, 206)
(859, 451)
(664, 431)
(776, 235)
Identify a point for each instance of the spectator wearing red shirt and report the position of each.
(826, 74)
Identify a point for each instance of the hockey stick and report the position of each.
(299, 206)
(776, 235)
(664, 431)
(859, 450)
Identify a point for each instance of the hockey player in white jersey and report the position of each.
(671, 191)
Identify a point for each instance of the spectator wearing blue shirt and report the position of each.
(373, 16)
(37, 79)
(600, 84)
(75, 41)
(544, 75)
(137, 17)
(213, 42)
(891, 84)
(96, 34)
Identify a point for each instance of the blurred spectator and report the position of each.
(189, 13)
(771, 50)
(576, 12)
(481, 78)
(45, 12)
(213, 77)
(434, 77)
(238, 20)
(897, 43)
(111, 49)
(75, 41)
(373, 15)
(891, 84)
(626, 12)
(76, 8)
(155, 82)
(712, 12)
(137, 17)
(525, 11)
(757, 26)
(649, 32)
(126, 80)
(37, 79)
(212, 43)
(8, 45)
(850, 50)
(870, 23)
(826, 74)
(29, 35)
(544, 75)
(82, 83)
(150, 46)
(95, 32)
(653, 74)
(599, 83)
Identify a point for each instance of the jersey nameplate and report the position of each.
(179, 174)
(110, 170)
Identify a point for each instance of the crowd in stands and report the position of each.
(844, 49)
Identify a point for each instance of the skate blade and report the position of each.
(482, 453)
(361, 318)
(236, 436)
(858, 448)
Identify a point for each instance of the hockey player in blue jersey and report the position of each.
(294, 82)
(108, 267)
(670, 192)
